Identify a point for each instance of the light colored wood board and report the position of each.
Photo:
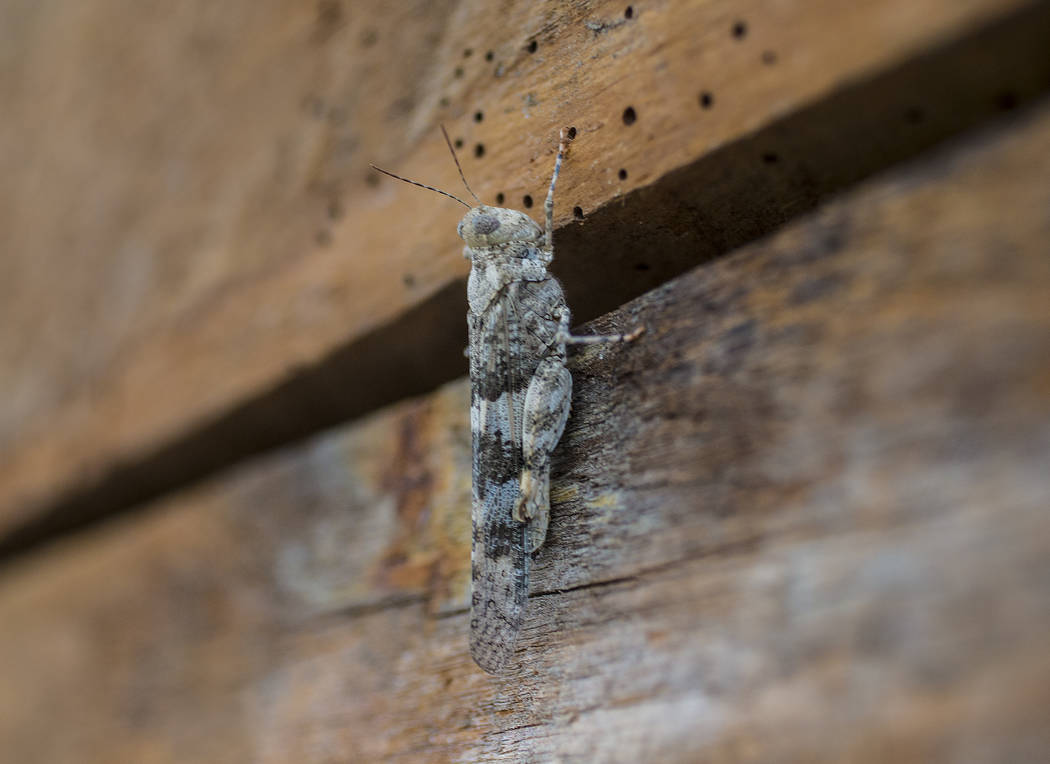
(803, 518)
(180, 240)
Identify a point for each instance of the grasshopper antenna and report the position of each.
(455, 159)
(422, 185)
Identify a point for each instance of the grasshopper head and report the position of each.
(487, 226)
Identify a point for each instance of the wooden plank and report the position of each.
(803, 519)
(233, 234)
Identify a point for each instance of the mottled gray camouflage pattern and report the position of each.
(520, 391)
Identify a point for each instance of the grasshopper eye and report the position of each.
(485, 224)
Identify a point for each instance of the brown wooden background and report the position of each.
(803, 518)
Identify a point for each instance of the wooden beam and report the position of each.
(205, 234)
(802, 519)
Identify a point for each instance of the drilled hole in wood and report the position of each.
(740, 30)
(527, 201)
(478, 116)
(531, 47)
(577, 212)
(706, 100)
(489, 55)
(444, 102)
(500, 197)
(458, 143)
(770, 158)
(468, 52)
(479, 150)
(629, 115)
(372, 179)
(408, 280)
(629, 13)
(458, 72)
(571, 132)
(622, 174)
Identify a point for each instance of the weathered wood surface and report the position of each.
(804, 518)
(187, 217)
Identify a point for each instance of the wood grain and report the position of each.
(189, 222)
(802, 519)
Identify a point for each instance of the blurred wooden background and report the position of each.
(804, 518)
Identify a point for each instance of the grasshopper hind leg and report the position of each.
(545, 412)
